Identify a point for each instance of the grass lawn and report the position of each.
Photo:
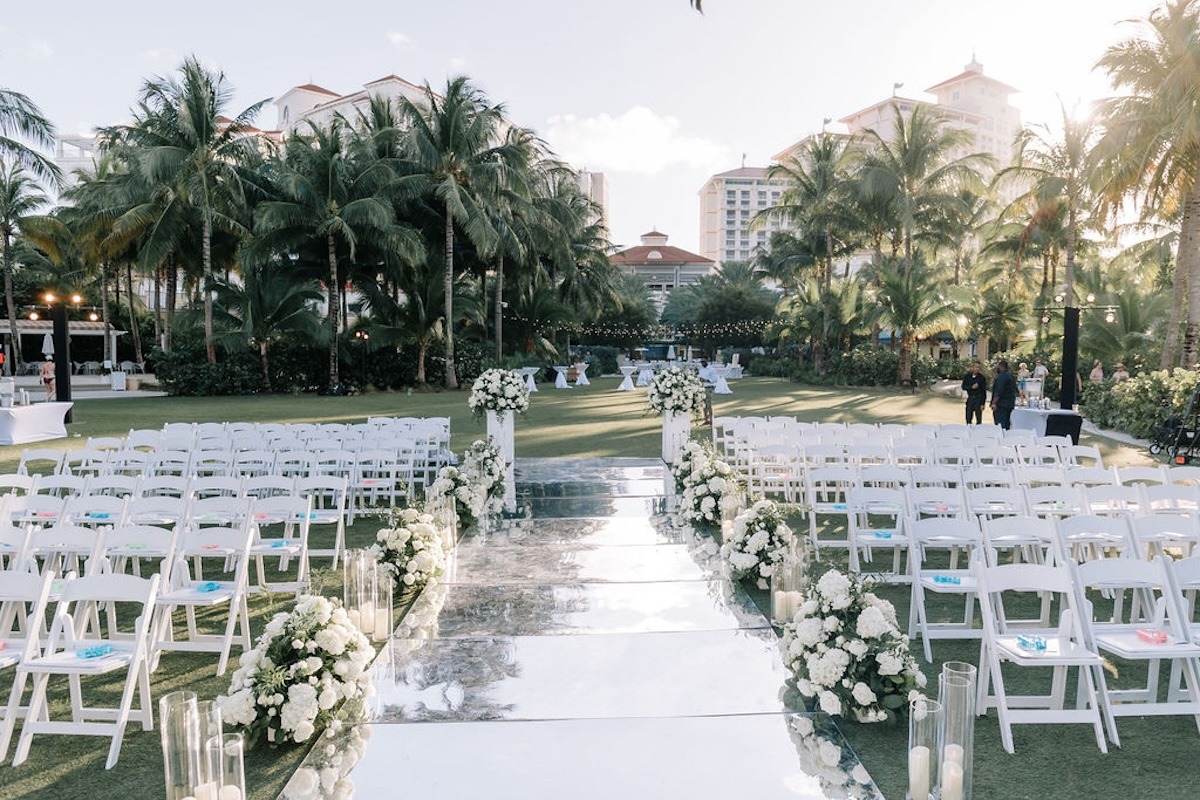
(593, 421)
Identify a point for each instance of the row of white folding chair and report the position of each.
(1082, 635)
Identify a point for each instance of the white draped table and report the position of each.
(527, 373)
(35, 423)
(560, 379)
(627, 382)
(719, 384)
(645, 373)
(581, 378)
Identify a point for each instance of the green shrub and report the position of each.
(865, 365)
(1137, 405)
(186, 371)
(772, 366)
(602, 359)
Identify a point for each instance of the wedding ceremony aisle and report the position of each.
(588, 650)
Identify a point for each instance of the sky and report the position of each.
(649, 92)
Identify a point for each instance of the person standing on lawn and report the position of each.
(974, 383)
(1004, 395)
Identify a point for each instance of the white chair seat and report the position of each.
(193, 595)
(1057, 651)
(955, 581)
(72, 663)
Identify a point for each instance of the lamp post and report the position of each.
(363, 337)
(61, 337)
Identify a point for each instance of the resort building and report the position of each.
(970, 100)
(661, 266)
(311, 103)
(728, 203)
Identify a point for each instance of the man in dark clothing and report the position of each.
(975, 385)
(1004, 395)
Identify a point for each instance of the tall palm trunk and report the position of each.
(210, 346)
(448, 285)
(1187, 261)
(172, 290)
(158, 273)
(905, 366)
(334, 309)
(108, 356)
(133, 325)
(266, 366)
(499, 309)
(11, 306)
(422, 346)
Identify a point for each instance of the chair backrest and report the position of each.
(883, 475)
(71, 618)
(14, 483)
(1090, 476)
(204, 486)
(61, 545)
(40, 459)
(1184, 474)
(945, 532)
(1054, 501)
(261, 486)
(327, 491)
(151, 542)
(85, 461)
(994, 501)
(104, 443)
(1039, 455)
(1128, 476)
(1147, 578)
(996, 584)
(1113, 499)
(979, 476)
(219, 511)
(935, 475)
(115, 485)
(1084, 455)
(1171, 498)
(940, 501)
(1156, 531)
(1020, 531)
(61, 485)
(1084, 536)
(1026, 475)
(95, 509)
(163, 486)
(142, 438)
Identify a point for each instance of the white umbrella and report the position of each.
(47, 345)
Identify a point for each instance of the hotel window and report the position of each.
(730, 255)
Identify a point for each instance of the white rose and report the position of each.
(863, 694)
(830, 704)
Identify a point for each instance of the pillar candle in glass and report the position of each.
(383, 605)
(210, 722)
(956, 691)
(225, 762)
(924, 722)
(179, 727)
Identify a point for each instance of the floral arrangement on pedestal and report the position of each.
(474, 488)
(304, 664)
(758, 544)
(677, 390)
(498, 390)
(707, 485)
(845, 651)
(410, 549)
(822, 758)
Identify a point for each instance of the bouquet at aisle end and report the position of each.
(410, 549)
(845, 651)
(498, 390)
(759, 543)
(305, 663)
(677, 390)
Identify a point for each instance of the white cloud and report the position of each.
(639, 140)
(457, 63)
(399, 39)
(39, 48)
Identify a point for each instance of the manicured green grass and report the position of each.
(594, 421)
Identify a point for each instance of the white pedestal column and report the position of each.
(677, 428)
(500, 431)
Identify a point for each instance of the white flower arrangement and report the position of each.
(304, 664)
(677, 389)
(410, 549)
(474, 489)
(759, 544)
(707, 485)
(822, 758)
(499, 390)
(846, 653)
(325, 774)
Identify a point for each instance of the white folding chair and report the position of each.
(1086, 537)
(1034, 476)
(261, 486)
(1061, 648)
(1089, 476)
(950, 536)
(113, 485)
(1155, 534)
(210, 570)
(1171, 498)
(202, 487)
(1113, 500)
(163, 486)
(1152, 632)
(41, 460)
(34, 509)
(1082, 455)
(875, 520)
(14, 483)
(253, 463)
(132, 462)
(61, 485)
(79, 647)
(883, 476)
(177, 463)
(977, 477)
(1184, 474)
(776, 472)
(85, 462)
(826, 490)
(63, 548)
(935, 501)
(157, 510)
(988, 502)
(944, 475)
(1054, 502)
(93, 510)
(292, 517)
(1149, 476)
(329, 507)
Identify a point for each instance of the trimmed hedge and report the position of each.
(1136, 406)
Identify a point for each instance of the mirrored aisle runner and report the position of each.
(591, 651)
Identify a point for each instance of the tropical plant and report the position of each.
(1150, 144)
(20, 196)
(911, 303)
(23, 128)
(190, 149)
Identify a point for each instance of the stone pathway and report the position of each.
(589, 650)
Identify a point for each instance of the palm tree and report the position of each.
(20, 196)
(914, 169)
(1151, 144)
(21, 119)
(187, 146)
(264, 306)
(332, 200)
(911, 303)
(461, 162)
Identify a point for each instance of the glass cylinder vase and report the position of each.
(382, 628)
(179, 727)
(956, 691)
(924, 724)
(788, 582)
(359, 589)
(225, 757)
